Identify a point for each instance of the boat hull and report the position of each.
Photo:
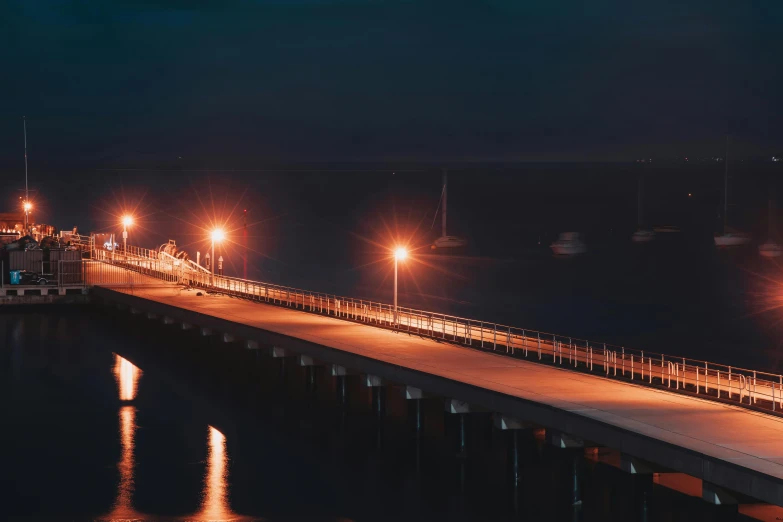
(642, 236)
(731, 240)
(449, 242)
(770, 249)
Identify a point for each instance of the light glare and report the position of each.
(400, 253)
(218, 235)
(127, 221)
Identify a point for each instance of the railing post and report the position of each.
(622, 354)
(539, 347)
(706, 379)
(494, 337)
(754, 387)
(649, 359)
(697, 379)
(719, 383)
(642, 365)
(729, 382)
(482, 334)
(683, 373)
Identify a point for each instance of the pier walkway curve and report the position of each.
(725, 445)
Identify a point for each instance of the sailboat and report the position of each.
(729, 238)
(446, 241)
(771, 248)
(642, 235)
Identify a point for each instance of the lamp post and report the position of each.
(27, 207)
(126, 222)
(399, 255)
(217, 235)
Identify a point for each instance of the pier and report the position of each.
(662, 415)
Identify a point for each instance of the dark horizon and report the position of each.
(107, 85)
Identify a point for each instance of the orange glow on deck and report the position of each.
(214, 505)
(127, 376)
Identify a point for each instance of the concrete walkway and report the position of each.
(726, 445)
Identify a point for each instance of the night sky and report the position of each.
(107, 84)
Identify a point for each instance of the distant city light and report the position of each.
(400, 253)
(218, 235)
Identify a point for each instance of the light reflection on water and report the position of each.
(127, 375)
(214, 506)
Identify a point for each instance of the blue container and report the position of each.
(16, 278)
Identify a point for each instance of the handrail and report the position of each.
(697, 376)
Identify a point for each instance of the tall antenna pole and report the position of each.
(26, 194)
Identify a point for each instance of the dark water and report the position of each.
(330, 231)
(330, 228)
(114, 417)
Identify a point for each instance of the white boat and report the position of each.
(446, 241)
(729, 238)
(642, 234)
(771, 249)
(450, 242)
(569, 244)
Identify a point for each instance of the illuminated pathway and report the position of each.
(726, 446)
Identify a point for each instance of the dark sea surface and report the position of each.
(108, 416)
(331, 228)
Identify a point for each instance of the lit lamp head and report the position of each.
(127, 221)
(400, 254)
(28, 206)
(218, 235)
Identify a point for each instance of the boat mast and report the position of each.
(726, 189)
(640, 202)
(771, 224)
(445, 202)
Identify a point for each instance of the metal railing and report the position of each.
(708, 379)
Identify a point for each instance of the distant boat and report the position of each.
(666, 229)
(771, 248)
(642, 234)
(728, 238)
(732, 239)
(446, 241)
(569, 244)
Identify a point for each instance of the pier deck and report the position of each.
(726, 445)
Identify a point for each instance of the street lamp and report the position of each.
(126, 222)
(27, 207)
(399, 255)
(217, 235)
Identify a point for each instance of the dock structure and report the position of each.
(728, 447)
(718, 424)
